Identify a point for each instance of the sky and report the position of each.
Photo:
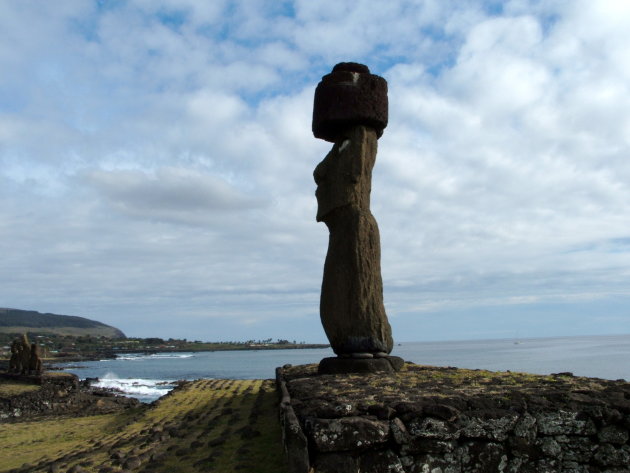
(156, 162)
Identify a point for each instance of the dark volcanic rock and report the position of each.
(445, 419)
(351, 305)
(348, 433)
(335, 365)
(347, 97)
(61, 395)
(350, 109)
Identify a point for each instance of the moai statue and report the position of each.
(25, 354)
(35, 362)
(350, 110)
(20, 355)
(14, 362)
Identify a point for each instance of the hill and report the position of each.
(21, 321)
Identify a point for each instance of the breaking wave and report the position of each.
(152, 356)
(145, 390)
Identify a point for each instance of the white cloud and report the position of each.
(156, 157)
(169, 192)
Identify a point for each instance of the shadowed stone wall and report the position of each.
(513, 423)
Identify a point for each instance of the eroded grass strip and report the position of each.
(208, 425)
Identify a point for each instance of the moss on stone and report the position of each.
(420, 383)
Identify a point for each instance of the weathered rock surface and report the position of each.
(350, 110)
(347, 97)
(428, 419)
(347, 433)
(59, 394)
(338, 365)
(351, 306)
(25, 357)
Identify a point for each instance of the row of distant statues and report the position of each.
(25, 357)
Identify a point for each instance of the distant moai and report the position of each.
(350, 110)
(25, 357)
(15, 365)
(35, 361)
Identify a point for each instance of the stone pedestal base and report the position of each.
(427, 418)
(335, 365)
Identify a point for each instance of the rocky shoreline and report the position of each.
(57, 394)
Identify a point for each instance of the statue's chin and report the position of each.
(322, 216)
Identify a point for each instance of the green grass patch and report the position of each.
(15, 388)
(207, 425)
(29, 442)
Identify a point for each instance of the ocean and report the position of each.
(149, 376)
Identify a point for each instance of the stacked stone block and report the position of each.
(574, 433)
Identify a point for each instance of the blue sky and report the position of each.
(156, 163)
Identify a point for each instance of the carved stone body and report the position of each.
(25, 357)
(25, 354)
(35, 362)
(351, 305)
(14, 363)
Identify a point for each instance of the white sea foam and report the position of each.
(152, 356)
(171, 355)
(130, 358)
(146, 390)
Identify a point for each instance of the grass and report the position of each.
(57, 374)
(15, 388)
(31, 442)
(208, 425)
(11, 387)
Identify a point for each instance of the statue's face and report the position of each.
(320, 175)
(334, 180)
(344, 176)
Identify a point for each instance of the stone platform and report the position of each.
(339, 365)
(56, 393)
(449, 420)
